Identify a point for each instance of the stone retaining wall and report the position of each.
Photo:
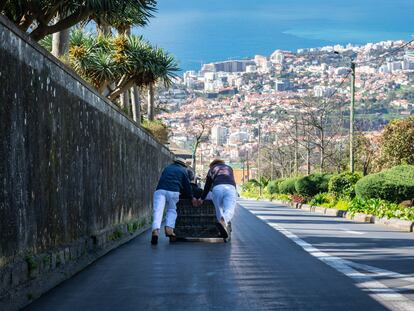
(76, 174)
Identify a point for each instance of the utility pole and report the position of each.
(296, 147)
(259, 175)
(243, 172)
(247, 165)
(351, 121)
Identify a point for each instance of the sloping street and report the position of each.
(279, 259)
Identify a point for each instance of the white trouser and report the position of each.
(164, 198)
(224, 199)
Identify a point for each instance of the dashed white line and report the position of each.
(352, 232)
(379, 291)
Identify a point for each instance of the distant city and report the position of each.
(234, 100)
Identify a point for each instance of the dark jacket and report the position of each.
(197, 192)
(220, 174)
(175, 178)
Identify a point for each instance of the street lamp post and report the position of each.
(352, 120)
(351, 117)
(259, 163)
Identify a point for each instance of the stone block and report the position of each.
(5, 278)
(19, 273)
(360, 217)
(331, 212)
(403, 225)
(306, 207)
(320, 209)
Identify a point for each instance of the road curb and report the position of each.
(395, 223)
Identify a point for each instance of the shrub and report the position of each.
(158, 129)
(380, 208)
(323, 199)
(397, 143)
(282, 197)
(295, 198)
(311, 185)
(287, 186)
(273, 186)
(342, 204)
(344, 184)
(395, 185)
(248, 186)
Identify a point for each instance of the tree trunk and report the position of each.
(322, 159)
(308, 157)
(296, 148)
(194, 155)
(42, 30)
(104, 29)
(151, 102)
(60, 43)
(136, 104)
(124, 101)
(322, 150)
(125, 97)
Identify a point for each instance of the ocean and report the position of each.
(202, 31)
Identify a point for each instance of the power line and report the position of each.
(384, 56)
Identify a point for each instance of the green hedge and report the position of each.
(394, 185)
(287, 186)
(273, 186)
(313, 184)
(344, 184)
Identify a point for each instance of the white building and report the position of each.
(238, 138)
(277, 57)
(251, 68)
(219, 135)
(282, 85)
(323, 91)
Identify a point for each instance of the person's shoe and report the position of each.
(169, 233)
(222, 227)
(154, 237)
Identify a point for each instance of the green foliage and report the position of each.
(342, 204)
(282, 197)
(273, 186)
(287, 186)
(40, 18)
(380, 208)
(313, 184)
(121, 61)
(395, 185)
(250, 190)
(397, 143)
(32, 265)
(263, 182)
(247, 186)
(46, 42)
(344, 184)
(117, 234)
(158, 129)
(323, 199)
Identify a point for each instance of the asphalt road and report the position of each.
(278, 259)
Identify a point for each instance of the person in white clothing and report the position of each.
(173, 181)
(220, 179)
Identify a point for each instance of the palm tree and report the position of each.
(162, 70)
(39, 17)
(114, 65)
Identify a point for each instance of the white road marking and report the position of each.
(379, 291)
(352, 232)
